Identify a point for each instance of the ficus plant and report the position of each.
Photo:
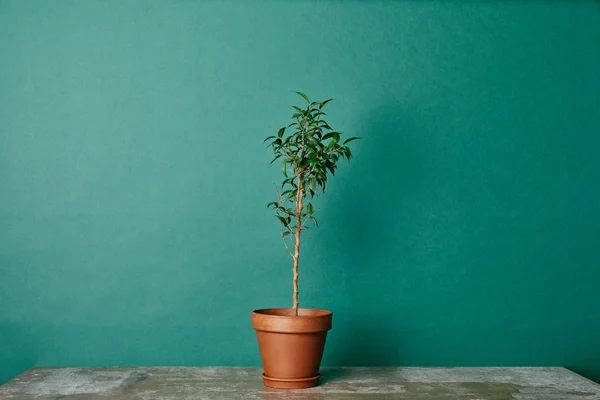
(309, 150)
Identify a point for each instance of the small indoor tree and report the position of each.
(309, 149)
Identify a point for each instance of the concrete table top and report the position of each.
(233, 383)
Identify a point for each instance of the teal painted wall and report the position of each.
(133, 180)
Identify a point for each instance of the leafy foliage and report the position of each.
(309, 150)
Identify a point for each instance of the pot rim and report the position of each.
(271, 313)
(276, 320)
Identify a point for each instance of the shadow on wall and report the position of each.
(372, 215)
(17, 351)
(385, 181)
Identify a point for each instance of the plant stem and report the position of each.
(297, 244)
(299, 195)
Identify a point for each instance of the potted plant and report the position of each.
(291, 340)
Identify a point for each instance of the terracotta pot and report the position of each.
(291, 346)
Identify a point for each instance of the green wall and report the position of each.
(133, 180)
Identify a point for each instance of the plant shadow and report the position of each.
(388, 157)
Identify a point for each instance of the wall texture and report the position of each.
(133, 180)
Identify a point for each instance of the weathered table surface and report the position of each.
(220, 383)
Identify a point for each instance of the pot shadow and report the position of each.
(373, 343)
(18, 350)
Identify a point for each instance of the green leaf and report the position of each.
(314, 219)
(312, 185)
(269, 138)
(348, 152)
(304, 97)
(331, 167)
(284, 220)
(325, 102)
(303, 163)
(289, 181)
(351, 139)
(272, 204)
(273, 160)
(280, 133)
(334, 135)
(309, 208)
(286, 233)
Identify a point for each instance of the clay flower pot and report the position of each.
(291, 346)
